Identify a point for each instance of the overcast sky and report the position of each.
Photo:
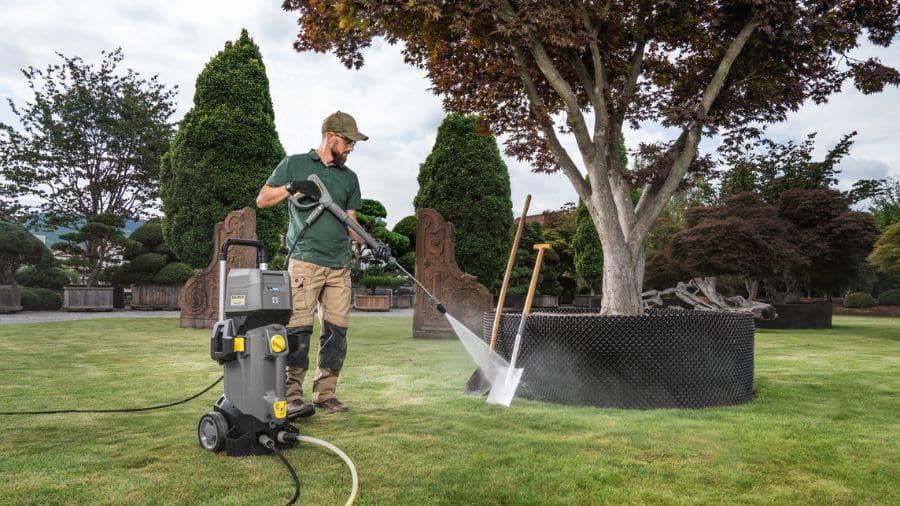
(390, 100)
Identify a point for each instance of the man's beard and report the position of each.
(338, 158)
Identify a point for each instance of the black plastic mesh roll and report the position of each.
(688, 359)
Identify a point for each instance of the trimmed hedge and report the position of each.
(859, 300)
(40, 299)
(173, 274)
(890, 297)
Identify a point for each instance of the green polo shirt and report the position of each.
(326, 242)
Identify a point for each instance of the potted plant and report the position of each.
(90, 251)
(17, 248)
(375, 278)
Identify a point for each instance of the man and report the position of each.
(320, 262)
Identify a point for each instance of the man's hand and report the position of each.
(305, 188)
(382, 252)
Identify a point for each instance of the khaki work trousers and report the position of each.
(315, 288)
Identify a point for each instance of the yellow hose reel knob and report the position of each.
(278, 343)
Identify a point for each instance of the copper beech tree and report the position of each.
(538, 69)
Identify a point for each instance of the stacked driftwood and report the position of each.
(701, 294)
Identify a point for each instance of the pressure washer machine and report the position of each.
(250, 342)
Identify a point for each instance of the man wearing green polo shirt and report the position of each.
(320, 262)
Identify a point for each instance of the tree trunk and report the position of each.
(622, 280)
(752, 286)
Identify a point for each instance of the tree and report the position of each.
(371, 216)
(149, 259)
(885, 257)
(588, 253)
(407, 227)
(835, 239)
(465, 180)
(526, 256)
(558, 230)
(770, 169)
(90, 143)
(886, 206)
(17, 248)
(533, 68)
(94, 246)
(225, 149)
(742, 235)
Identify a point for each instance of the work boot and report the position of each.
(332, 405)
(297, 409)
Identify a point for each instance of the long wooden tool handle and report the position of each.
(534, 277)
(509, 267)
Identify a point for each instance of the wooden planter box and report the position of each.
(545, 301)
(799, 316)
(156, 297)
(590, 301)
(372, 302)
(88, 298)
(402, 301)
(10, 298)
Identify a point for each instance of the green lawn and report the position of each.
(822, 429)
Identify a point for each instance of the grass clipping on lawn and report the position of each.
(822, 428)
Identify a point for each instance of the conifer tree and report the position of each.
(466, 181)
(224, 151)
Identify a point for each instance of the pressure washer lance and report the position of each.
(326, 202)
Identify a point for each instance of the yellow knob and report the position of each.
(278, 344)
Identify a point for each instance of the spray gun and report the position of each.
(326, 202)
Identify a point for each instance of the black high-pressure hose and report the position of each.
(124, 410)
(270, 444)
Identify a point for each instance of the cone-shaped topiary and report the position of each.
(465, 180)
(225, 149)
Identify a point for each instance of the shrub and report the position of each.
(859, 300)
(466, 181)
(890, 297)
(148, 262)
(17, 248)
(225, 149)
(40, 299)
(174, 274)
(43, 276)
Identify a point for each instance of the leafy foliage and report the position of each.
(17, 248)
(465, 180)
(558, 230)
(886, 206)
(859, 300)
(889, 297)
(174, 273)
(149, 260)
(770, 169)
(90, 143)
(225, 148)
(46, 274)
(835, 239)
(588, 256)
(885, 256)
(534, 69)
(94, 247)
(742, 235)
(40, 299)
(526, 256)
(371, 215)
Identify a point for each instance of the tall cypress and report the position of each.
(466, 181)
(224, 151)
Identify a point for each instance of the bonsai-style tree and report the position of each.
(149, 259)
(835, 239)
(94, 246)
(742, 236)
(534, 68)
(225, 149)
(465, 180)
(90, 143)
(885, 257)
(371, 215)
(520, 278)
(17, 248)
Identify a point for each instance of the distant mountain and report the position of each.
(52, 236)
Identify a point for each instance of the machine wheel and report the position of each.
(211, 431)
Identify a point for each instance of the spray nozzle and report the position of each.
(440, 307)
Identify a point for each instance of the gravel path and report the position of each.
(56, 316)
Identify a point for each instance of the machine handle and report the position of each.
(262, 254)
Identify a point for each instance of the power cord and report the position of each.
(125, 410)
